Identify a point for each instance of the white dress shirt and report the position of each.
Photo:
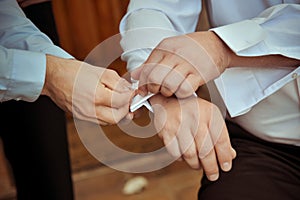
(250, 28)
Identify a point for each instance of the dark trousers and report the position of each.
(34, 135)
(261, 171)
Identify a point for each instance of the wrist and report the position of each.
(225, 53)
(45, 90)
(51, 69)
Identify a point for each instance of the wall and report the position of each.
(84, 24)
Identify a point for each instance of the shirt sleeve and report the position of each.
(18, 32)
(275, 31)
(148, 22)
(23, 49)
(22, 74)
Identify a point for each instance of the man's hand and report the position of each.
(194, 130)
(91, 93)
(180, 64)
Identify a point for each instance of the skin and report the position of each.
(180, 64)
(194, 130)
(91, 93)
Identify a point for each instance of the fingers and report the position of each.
(210, 166)
(154, 58)
(136, 73)
(224, 150)
(113, 81)
(181, 145)
(170, 75)
(156, 77)
(213, 144)
(109, 98)
(174, 79)
(206, 153)
(112, 97)
(171, 143)
(198, 136)
(112, 115)
(188, 86)
(221, 140)
(113, 91)
(188, 148)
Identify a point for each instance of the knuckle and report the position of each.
(169, 85)
(221, 142)
(189, 154)
(99, 98)
(212, 169)
(167, 136)
(118, 102)
(153, 88)
(147, 69)
(202, 129)
(166, 92)
(112, 73)
(106, 73)
(215, 108)
(184, 91)
(100, 115)
(165, 43)
(152, 80)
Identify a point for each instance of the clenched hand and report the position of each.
(91, 93)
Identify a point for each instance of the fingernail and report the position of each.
(226, 166)
(213, 177)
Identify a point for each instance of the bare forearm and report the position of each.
(263, 61)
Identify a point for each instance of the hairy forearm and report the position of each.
(263, 61)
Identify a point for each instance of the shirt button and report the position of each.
(294, 75)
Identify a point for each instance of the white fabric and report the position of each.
(249, 28)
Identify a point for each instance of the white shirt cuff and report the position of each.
(242, 88)
(241, 35)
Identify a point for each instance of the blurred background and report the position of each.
(82, 25)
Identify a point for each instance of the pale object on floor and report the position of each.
(135, 185)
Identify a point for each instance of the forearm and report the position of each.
(263, 61)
